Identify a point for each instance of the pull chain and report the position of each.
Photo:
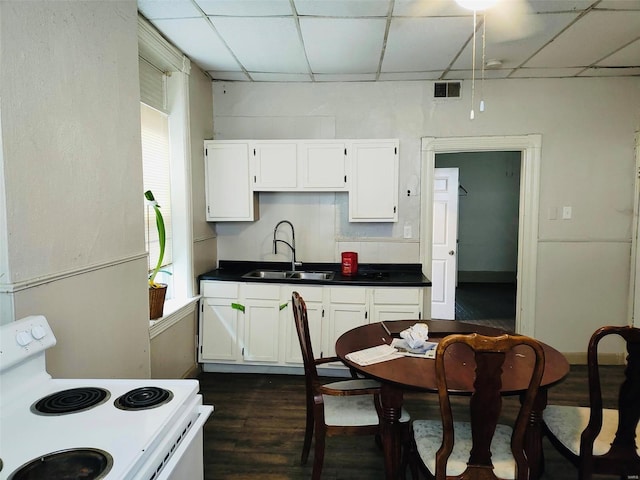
(472, 115)
(484, 34)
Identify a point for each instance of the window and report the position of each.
(157, 178)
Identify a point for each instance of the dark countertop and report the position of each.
(369, 274)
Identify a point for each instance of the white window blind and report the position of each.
(152, 86)
(157, 177)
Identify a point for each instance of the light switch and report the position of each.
(566, 213)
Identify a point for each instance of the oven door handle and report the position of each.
(204, 411)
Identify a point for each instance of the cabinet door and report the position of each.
(228, 188)
(275, 166)
(347, 310)
(373, 180)
(323, 166)
(261, 322)
(396, 304)
(312, 297)
(218, 330)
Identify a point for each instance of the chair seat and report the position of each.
(353, 410)
(567, 423)
(428, 438)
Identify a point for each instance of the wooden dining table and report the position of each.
(418, 374)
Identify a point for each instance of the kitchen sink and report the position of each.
(266, 274)
(289, 275)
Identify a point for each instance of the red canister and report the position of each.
(349, 263)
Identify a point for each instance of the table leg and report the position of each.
(533, 435)
(391, 399)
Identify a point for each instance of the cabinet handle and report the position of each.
(366, 314)
(394, 209)
(345, 179)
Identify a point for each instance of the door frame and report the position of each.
(530, 146)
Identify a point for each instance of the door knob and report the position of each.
(451, 252)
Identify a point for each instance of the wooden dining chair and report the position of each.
(601, 440)
(480, 448)
(347, 407)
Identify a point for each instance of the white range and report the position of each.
(92, 428)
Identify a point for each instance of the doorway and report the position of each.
(528, 147)
(486, 249)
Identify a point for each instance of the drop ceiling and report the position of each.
(384, 40)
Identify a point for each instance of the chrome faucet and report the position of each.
(291, 245)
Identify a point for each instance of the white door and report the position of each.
(445, 235)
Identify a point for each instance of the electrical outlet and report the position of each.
(407, 231)
(566, 213)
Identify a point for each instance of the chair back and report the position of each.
(485, 403)
(622, 458)
(304, 337)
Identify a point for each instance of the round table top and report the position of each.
(420, 373)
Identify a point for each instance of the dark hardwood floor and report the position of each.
(493, 304)
(257, 427)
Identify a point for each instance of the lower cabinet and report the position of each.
(251, 324)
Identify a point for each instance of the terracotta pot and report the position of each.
(156, 301)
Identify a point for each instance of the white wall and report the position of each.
(587, 127)
(72, 236)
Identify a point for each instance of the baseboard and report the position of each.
(580, 358)
(486, 277)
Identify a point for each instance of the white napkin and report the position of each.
(371, 355)
(416, 336)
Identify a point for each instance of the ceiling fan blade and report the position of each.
(511, 20)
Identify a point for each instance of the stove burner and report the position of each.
(73, 464)
(70, 401)
(142, 398)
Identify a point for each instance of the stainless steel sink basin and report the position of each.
(311, 275)
(266, 274)
(289, 275)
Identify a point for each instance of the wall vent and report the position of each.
(446, 90)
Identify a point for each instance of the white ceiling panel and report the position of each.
(468, 74)
(343, 8)
(152, 9)
(373, 40)
(196, 36)
(629, 55)
(269, 45)
(245, 8)
(424, 44)
(545, 72)
(590, 39)
(343, 45)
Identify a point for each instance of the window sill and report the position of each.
(174, 311)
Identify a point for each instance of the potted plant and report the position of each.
(157, 291)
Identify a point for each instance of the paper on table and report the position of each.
(428, 350)
(371, 355)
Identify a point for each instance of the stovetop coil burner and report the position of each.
(143, 398)
(70, 401)
(73, 464)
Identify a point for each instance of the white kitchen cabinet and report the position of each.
(228, 192)
(275, 165)
(313, 299)
(323, 165)
(396, 304)
(219, 327)
(373, 181)
(261, 322)
(347, 310)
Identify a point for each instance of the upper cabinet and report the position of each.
(373, 192)
(275, 166)
(323, 165)
(366, 169)
(228, 190)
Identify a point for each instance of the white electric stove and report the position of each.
(92, 428)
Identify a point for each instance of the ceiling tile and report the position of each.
(610, 72)
(538, 6)
(629, 55)
(361, 77)
(546, 72)
(432, 8)
(410, 76)
(280, 77)
(269, 45)
(152, 9)
(343, 45)
(246, 8)
(343, 8)
(620, 4)
(468, 74)
(424, 44)
(197, 37)
(589, 40)
(232, 76)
